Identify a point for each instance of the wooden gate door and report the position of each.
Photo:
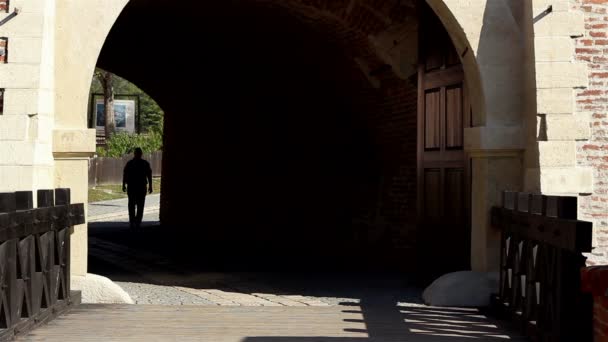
(443, 167)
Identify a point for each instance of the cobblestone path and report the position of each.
(151, 278)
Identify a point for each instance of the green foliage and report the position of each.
(124, 143)
(151, 114)
(110, 192)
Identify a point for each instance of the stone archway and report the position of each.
(490, 141)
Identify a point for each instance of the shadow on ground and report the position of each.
(301, 252)
(387, 304)
(414, 324)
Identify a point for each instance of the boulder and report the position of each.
(99, 290)
(462, 289)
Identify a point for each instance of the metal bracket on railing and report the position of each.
(9, 17)
(543, 14)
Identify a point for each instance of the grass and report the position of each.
(110, 192)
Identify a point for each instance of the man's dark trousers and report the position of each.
(137, 197)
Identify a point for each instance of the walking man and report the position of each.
(137, 174)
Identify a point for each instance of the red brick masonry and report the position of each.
(592, 49)
(3, 49)
(595, 281)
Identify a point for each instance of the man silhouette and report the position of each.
(137, 174)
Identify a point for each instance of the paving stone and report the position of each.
(306, 300)
(161, 295)
(152, 279)
(243, 298)
(212, 298)
(279, 299)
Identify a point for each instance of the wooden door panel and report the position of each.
(454, 121)
(451, 57)
(432, 122)
(432, 194)
(447, 156)
(443, 166)
(454, 195)
(443, 78)
(435, 58)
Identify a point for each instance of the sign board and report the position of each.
(124, 116)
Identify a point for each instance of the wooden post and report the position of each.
(8, 202)
(62, 196)
(45, 198)
(24, 200)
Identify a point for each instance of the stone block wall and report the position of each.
(30, 145)
(558, 27)
(26, 123)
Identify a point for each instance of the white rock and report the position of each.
(463, 289)
(99, 290)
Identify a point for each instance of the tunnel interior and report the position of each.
(287, 140)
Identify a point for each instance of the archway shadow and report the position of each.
(196, 252)
(366, 306)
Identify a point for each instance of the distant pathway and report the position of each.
(116, 210)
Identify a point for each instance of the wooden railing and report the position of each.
(35, 257)
(541, 258)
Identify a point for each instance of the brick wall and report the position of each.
(592, 48)
(3, 49)
(386, 206)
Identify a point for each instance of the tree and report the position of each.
(151, 115)
(106, 80)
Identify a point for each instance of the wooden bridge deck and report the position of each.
(272, 324)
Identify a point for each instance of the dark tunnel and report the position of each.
(280, 147)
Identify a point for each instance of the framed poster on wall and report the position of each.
(124, 116)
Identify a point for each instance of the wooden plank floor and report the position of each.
(272, 324)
